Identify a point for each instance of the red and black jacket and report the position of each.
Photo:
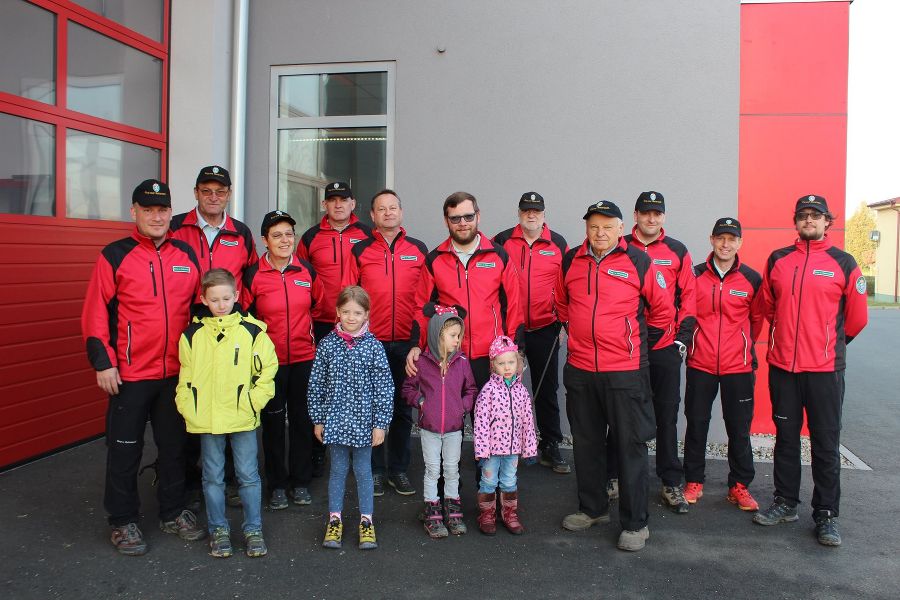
(726, 326)
(389, 273)
(673, 260)
(233, 248)
(328, 251)
(538, 265)
(487, 288)
(284, 302)
(613, 307)
(814, 297)
(138, 304)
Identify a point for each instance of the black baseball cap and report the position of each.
(812, 201)
(152, 192)
(338, 188)
(605, 208)
(273, 218)
(214, 173)
(650, 201)
(727, 225)
(531, 201)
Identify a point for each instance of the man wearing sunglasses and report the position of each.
(814, 297)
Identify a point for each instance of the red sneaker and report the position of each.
(693, 491)
(740, 495)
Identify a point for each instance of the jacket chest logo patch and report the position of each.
(615, 273)
(822, 273)
(228, 242)
(547, 252)
(662, 261)
(301, 283)
(738, 293)
(405, 257)
(861, 285)
(355, 240)
(485, 265)
(180, 269)
(660, 280)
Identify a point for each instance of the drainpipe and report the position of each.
(240, 19)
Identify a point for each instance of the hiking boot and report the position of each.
(509, 507)
(318, 464)
(400, 483)
(632, 541)
(740, 495)
(693, 491)
(232, 496)
(673, 496)
(184, 526)
(220, 543)
(333, 533)
(129, 540)
(550, 457)
(779, 512)
(300, 496)
(612, 489)
(378, 484)
(827, 528)
(278, 500)
(580, 521)
(454, 516)
(255, 544)
(367, 535)
(487, 513)
(434, 520)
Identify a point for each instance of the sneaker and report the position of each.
(278, 500)
(673, 496)
(255, 544)
(184, 526)
(779, 512)
(367, 535)
(300, 496)
(232, 496)
(400, 483)
(318, 464)
(220, 543)
(378, 484)
(333, 533)
(693, 491)
(827, 528)
(550, 457)
(612, 489)
(129, 540)
(632, 541)
(740, 495)
(580, 521)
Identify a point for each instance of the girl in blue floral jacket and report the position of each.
(351, 404)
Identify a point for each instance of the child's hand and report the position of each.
(318, 430)
(411, 358)
(377, 436)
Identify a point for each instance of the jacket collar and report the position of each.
(190, 218)
(518, 233)
(265, 265)
(621, 246)
(143, 240)
(637, 240)
(325, 224)
(484, 245)
(811, 246)
(712, 265)
(380, 238)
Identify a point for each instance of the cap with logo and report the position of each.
(152, 192)
(727, 225)
(605, 208)
(214, 173)
(812, 201)
(531, 201)
(273, 218)
(338, 188)
(650, 201)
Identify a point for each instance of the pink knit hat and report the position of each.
(501, 345)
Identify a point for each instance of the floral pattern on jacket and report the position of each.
(350, 390)
(504, 423)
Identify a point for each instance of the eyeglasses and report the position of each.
(208, 193)
(457, 219)
(813, 214)
(288, 235)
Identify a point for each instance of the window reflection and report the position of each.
(26, 166)
(28, 48)
(333, 94)
(143, 16)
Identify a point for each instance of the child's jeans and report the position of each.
(246, 470)
(436, 446)
(498, 468)
(362, 471)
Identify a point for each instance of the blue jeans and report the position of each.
(246, 470)
(498, 468)
(341, 457)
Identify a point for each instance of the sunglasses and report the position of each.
(814, 215)
(457, 219)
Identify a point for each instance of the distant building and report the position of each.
(887, 254)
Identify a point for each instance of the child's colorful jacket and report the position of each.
(444, 400)
(503, 420)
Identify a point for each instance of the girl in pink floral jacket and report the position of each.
(504, 430)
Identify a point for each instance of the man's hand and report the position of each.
(377, 436)
(411, 359)
(318, 430)
(109, 381)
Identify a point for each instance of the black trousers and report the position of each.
(291, 467)
(320, 330)
(737, 411)
(621, 402)
(126, 419)
(392, 457)
(822, 395)
(542, 350)
(665, 381)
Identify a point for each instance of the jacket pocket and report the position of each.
(629, 332)
(128, 345)
(746, 346)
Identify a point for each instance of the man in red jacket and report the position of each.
(721, 357)
(814, 297)
(537, 251)
(388, 265)
(601, 292)
(136, 307)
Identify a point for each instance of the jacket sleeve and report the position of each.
(265, 366)
(410, 391)
(95, 319)
(382, 388)
(687, 309)
(515, 315)
(756, 314)
(351, 273)
(529, 437)
(560, 298)
(470, 388)
(318, 293)
(482, 425)
(765, 308)
(661, 311)
(856, 310)
(184, 395)
(424, 289)
(318, 381)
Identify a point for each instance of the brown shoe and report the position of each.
(487, 513)
(509, 506)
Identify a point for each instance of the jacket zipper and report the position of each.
(333, 251)
(827, 338)
(153, 278)
(799, 301)
(528, 288)
(593, 319)
(393, 290)
(630, 343)
(287, 318)
(443, 410)
(162, 283)
(745, 347)
(237, 351)
(128, 345)
(512, 416)
(719, 335)
(239, 390)
(494, 313)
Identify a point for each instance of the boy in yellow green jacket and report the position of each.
(228, 366)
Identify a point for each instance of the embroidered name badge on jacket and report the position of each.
(181, 269)
(485, 265)
(228, 242)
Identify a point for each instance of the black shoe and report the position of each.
(827, 528)
(779, 512)
(378, 484)
(400, 483)
(550, 457)
(318, 465)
